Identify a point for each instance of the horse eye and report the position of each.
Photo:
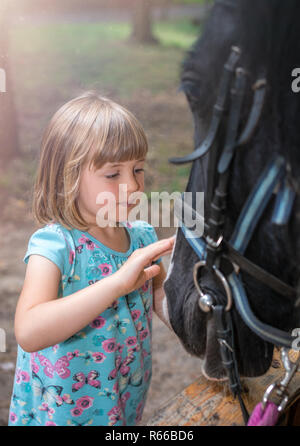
(192, 100)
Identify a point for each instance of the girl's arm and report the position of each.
(159, 299)
(43, 320)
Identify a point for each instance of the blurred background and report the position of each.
(52, 51)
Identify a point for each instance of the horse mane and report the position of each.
(268, 34)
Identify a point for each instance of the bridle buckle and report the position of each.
(206, 303)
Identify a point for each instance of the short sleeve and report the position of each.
(147, 233)
(49, 242)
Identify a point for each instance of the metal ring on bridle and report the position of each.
(220, 276)
(213, 243)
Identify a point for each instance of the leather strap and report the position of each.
(237, 94)
(259, 273)
(225, 337)
(218, 110)
(260, 88)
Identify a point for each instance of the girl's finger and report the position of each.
(164, 253)
(151, 271)
(155, 250)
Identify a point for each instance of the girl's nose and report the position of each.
(133, 184)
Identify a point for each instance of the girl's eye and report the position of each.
(116, 174)
(111, 176)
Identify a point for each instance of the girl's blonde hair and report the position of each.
(88, 130)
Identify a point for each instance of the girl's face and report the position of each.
(129, 174)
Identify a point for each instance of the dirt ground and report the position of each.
(173, 368)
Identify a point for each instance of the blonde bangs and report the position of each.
(123, 139)
(88, 129)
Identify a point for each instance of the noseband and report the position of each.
(225, 259)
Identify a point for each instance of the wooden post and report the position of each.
(208, 403)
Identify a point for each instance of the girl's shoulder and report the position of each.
(52, 232)
(53, 241)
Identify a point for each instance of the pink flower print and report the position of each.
(50, 423)
(22, 376)
(71, 256)
(55, 348)
(98, 322)
(128, 224)
(135, 314)
(98, 357)
(130, 341)
(88, 243)
(76, 411)
(145, 286)
(64, 399)
(139, 326)
(85, 402)
(139, 412)
(13, 417)
(114, 415)
(124, 399)
(124, 369)
(34, 367)
(144, 334)
(106, 268)
(120, 348)
(48, 409)
(113, 373)
(110, 345)
(74, 354)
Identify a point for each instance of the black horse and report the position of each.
(268, 35)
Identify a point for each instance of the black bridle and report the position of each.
(226, 258)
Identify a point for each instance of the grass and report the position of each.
(52, 62)
(99, 55)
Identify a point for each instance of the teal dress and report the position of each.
(99, 376)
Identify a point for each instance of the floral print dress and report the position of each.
(99, 376)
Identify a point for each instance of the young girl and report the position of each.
(83, 319)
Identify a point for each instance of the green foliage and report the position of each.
(99, 55)
(53, 62)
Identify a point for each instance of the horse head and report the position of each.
(258, 43)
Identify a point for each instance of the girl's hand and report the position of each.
(137, 270)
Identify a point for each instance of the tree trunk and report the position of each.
(164, 9)
(142, 22)
(9, 144)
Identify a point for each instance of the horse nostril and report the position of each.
(205, 303)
